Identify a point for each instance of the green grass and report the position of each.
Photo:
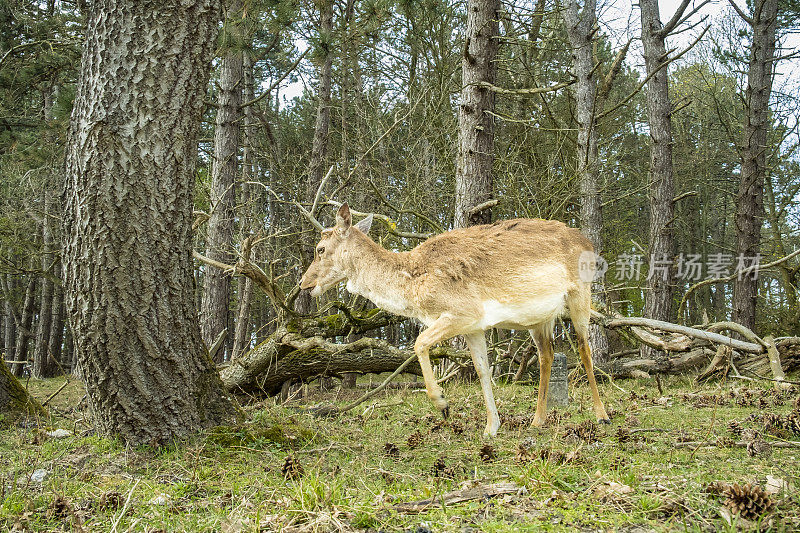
(231, 478)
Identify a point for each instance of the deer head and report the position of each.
(332, 254)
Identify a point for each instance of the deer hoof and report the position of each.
(603, 421)
(446, 412)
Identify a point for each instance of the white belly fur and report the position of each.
(523, 313)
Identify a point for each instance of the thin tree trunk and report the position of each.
(581, 30)
(750, 198)
(130, 169)
(241, 340)
(9, 322)
(475, 123)
(56, 337)
(215, 307)
(24, 330)
(43, 365)
(658, 294)
(319, 146)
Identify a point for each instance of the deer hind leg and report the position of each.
(442, 329)
(580, 310)
(543, 338)
(477, 347)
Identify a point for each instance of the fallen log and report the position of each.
(637, 367)
(286, 355)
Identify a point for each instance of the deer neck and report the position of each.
(379, 276)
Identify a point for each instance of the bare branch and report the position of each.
(650, 76)
(669, 26)
(277, 82)
(524, 92)
(745, 17)
(319, 190)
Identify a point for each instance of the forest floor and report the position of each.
(284, 470)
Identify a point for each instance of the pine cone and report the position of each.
(457, 427)
(792, 422)
(759, 446)
(748, 501)
(111, 501)
(586, 431)
(771, 421)
(440, 469)
(552, 455)
(632, 421)
(553, 418)
(292, 469)
(60, 507)
(414, 440)
(391, 450)
(735, 427)
(525, 450)
(487, 453)
(623, 434)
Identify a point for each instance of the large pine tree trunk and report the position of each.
(658, 293)
(750, 198)
(128, 214)
(475, 123)
(581, 30)
(215, 308)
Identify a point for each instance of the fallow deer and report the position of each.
(515, 274)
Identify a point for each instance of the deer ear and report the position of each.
(343, 218)
(365, 224)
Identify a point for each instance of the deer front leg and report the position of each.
(433, 389)
(477, 347)
(442, 329)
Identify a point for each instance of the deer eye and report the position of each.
(320, 250)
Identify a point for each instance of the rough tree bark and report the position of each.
(753, 153)
(215, 314)
(128, 215)
(241, 337)
(319, 145)
(9, 322)
(474, 184)
(658, 292)
(43, 365)
(24, 328)
(581, 29)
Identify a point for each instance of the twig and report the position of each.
(331, 410)
(476, 493)
(276, 83)
(55, 393)
(523, 92)
(125, 507)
